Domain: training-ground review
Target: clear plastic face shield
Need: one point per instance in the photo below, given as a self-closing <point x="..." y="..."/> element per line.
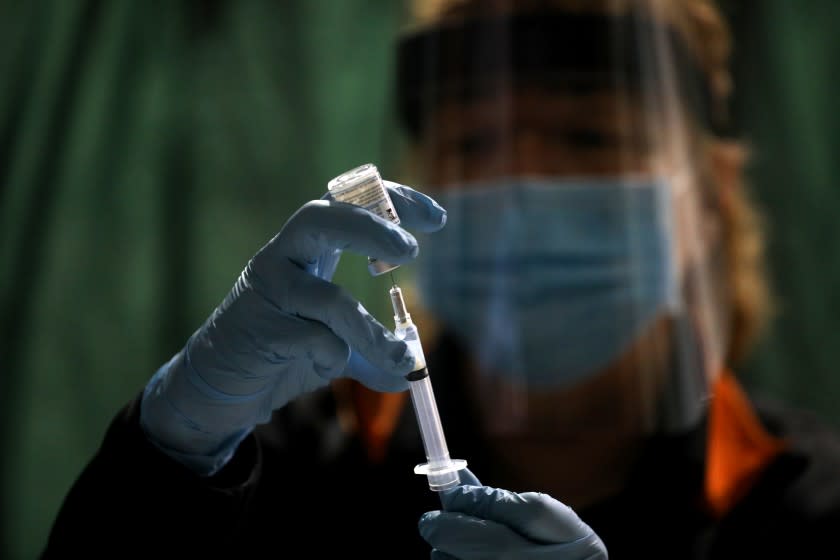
<point x="581" y="267"/>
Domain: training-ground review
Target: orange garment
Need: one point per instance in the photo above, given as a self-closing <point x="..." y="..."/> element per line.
<point x="738" y="447"/>
<point x="376" y="416"/>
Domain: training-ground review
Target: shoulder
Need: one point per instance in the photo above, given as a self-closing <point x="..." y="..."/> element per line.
<point x="806" y="432"/>
<point x="813" y="489"/>
<point x="793" y="509"/>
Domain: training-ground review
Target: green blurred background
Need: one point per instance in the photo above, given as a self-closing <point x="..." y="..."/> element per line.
<point x="147" y="150"/>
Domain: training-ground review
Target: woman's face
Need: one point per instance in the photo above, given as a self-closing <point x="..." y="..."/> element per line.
<point x="537" y="133"/>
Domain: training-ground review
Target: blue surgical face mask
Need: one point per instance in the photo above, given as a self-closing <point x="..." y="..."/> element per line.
<point x="550" y="281"/>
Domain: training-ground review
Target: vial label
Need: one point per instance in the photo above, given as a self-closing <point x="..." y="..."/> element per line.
<point x="371" y="195"/>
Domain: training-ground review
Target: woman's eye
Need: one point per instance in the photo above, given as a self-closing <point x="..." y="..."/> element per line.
<point x="586" y="138"/>
<point x="473" y="145"/>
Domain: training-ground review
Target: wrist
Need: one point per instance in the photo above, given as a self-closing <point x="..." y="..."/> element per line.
<point x="185" y="424"/>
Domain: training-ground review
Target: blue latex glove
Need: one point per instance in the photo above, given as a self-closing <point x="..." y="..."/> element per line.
<point x="284" y="330"/>
<point x="480" y="522"/>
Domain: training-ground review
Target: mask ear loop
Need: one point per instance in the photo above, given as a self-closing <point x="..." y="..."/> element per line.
<point x="694" y="350"/>
<point x="704" y="286"/>
<point x="685" y="395"/>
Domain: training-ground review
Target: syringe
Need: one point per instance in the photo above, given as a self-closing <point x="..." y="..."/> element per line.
<point x="441" y="471"/>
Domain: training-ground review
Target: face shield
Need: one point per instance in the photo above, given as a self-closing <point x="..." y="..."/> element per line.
<point x="580" y="272"/>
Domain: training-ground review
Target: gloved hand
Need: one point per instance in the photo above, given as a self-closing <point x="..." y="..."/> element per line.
<point x="283" y="330"/>
<point x="480" y="522"/>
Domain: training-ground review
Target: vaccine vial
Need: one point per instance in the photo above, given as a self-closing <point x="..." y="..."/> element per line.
<point x="363" y="187"/>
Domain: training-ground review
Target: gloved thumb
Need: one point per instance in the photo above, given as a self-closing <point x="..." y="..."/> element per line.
<point x="468" y="477"/>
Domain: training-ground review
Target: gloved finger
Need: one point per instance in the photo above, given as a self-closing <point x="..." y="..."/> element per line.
<point x="373" y="377"/>
<point x="261" y="338"/>
<point x="299" y="339"/>
<point x="467" y="478"/>
<point x="310" y="297"/>
<point x="532" y="514"/>
<point x="440" y="555"/>
<point x="416" y="210"/>
<point x="320" y="227"/>
<point x="465" y="536"/>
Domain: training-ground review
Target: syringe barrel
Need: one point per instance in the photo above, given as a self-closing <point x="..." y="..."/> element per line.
<point x="440" y="474"/>
<point x="440" y="470"/>
<point x="428" y="419"/>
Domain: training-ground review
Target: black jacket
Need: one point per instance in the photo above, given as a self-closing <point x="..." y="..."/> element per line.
<point x="300" y="484"/>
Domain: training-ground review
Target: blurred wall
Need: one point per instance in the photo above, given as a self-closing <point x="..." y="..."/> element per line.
<point x="147" y="150"/>
<point x="787" y="72"/>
